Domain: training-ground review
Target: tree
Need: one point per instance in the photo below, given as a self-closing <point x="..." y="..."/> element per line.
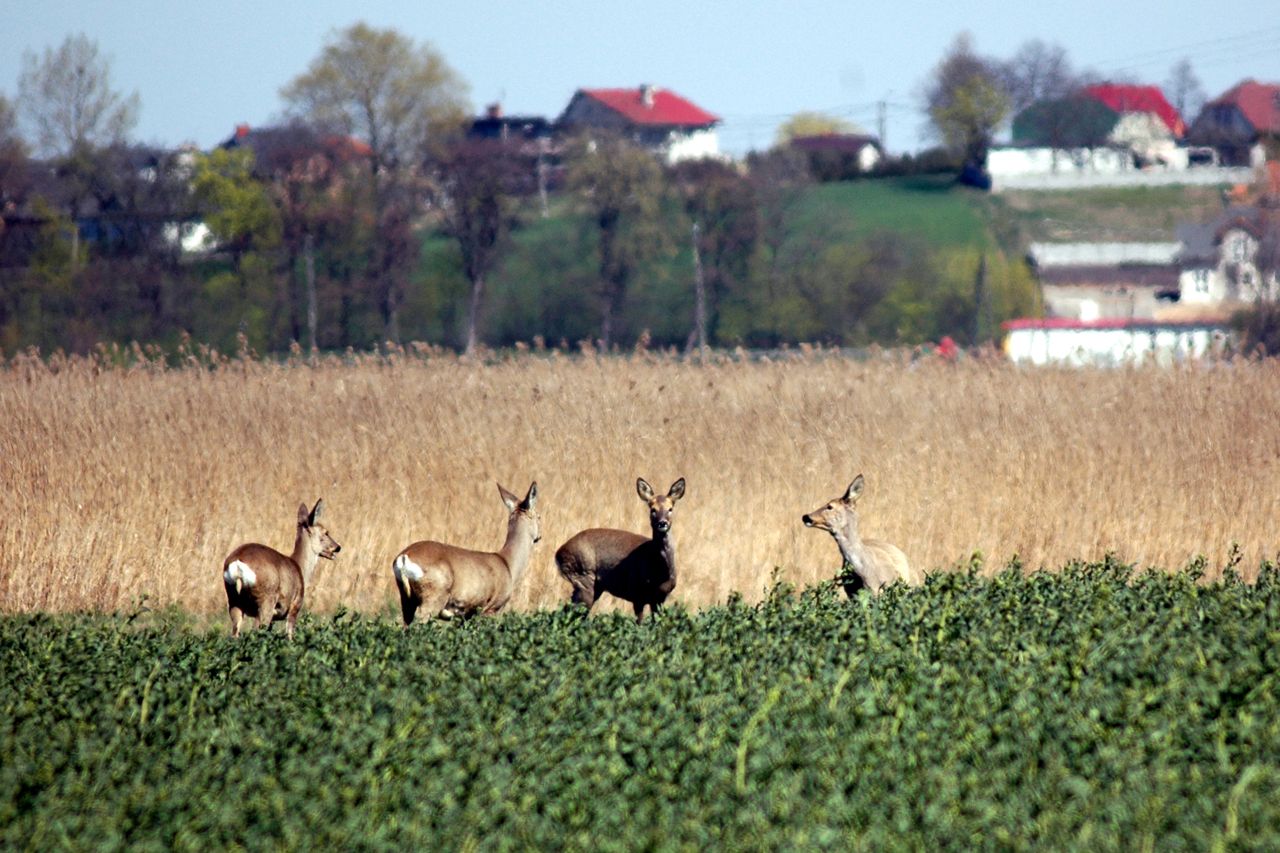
<point x="399" y="98"/>
<point x="66" y="97"/>
<point x="477" y="178"/>
<point x="1038" y="72"/>
<point x="812" y="124"/>
<point x="966" y="102"/>
<point x="721" y="202"/>
<point x="620" y="186"/>
<point x="1075" y="121"/>
<point x="1184" y="90"/>
<point x="240" y="216"/>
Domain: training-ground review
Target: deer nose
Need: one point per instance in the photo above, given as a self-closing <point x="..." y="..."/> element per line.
<point x="337" y="548"/>
<point x="808" y="522"/>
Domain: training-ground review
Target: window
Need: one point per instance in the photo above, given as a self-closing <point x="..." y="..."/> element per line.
<point x="1201" y="281"/>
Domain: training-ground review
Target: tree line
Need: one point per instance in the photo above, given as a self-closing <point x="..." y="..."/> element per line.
<point x="368" y="215"/>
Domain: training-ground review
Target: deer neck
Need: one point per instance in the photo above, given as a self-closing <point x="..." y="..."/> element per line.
<point x="518" y="549"/>
<point x="851" y="549"/>
<point x="666" y="546"/>
<point x="306" y="558"/>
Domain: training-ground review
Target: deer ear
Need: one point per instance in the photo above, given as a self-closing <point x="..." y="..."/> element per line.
<point x="509" y="499"/>
<point x="677" y="490"/>
<point x="855" y="489"/>
<point x="531" y="497"/>
<point x="316" y="511"/>
<point x="304" y="517"/>
<point x="644" y="490"/>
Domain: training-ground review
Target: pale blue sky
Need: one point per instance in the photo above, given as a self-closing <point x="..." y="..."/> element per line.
<point x="200" y="68"/>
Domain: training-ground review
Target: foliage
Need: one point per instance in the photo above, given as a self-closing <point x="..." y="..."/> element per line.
<point x="400" y="99"/>
<point x="1070" y="122"/>
<point x="1096" y="708"/>
<point x="620" y="189"/>
<point x="966" y="101"/>
<point x="808" y="123"/>
<point x="66" y="97"/>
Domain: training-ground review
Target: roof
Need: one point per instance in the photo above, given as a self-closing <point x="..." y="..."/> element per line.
<point x="1105" y="324"/>
<point x="847" y="143"/>
<point x="1258" y="102"/>
<point x="652" y="106"/>
<point x="1129" y="98"/>
<point x="1046" y="255"/>
<point x="1200" y="240"/>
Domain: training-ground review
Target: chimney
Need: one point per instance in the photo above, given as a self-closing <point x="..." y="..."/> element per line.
<point x="242" y="130"/>
<point x="494" y="110"/>
<point x="646" y="94"/>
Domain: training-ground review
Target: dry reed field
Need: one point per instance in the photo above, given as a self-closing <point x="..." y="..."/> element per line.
<point x="121" y="482"/>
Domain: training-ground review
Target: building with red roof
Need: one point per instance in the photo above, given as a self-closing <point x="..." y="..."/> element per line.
<point x="1125" y="98"/>
<point x="1241" y="122"/>
<point x="656" y="118"/>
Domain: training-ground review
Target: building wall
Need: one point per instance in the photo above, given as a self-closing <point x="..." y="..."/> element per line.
<point x="693" y="145"/>
<point x="1113" y="347"/>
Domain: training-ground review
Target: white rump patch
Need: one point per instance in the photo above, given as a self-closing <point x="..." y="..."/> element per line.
<point x="241" y="570"/>
<point x="406" y="570"/>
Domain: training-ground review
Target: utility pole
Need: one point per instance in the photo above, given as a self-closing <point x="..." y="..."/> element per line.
<point x="699" y="297"/>
<point x="882" y="123"/>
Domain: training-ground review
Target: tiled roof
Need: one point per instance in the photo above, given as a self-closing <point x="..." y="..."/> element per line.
<point x="650" y="105"/>
<point x="1258" y="102"/>
<point x="1125" y="98"/>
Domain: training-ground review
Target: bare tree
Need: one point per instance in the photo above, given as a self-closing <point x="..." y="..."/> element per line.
<point x="399" y="98"/>
<point x="1037" y="72"/>
<point x="65" y="95"/>
<point x="1184" y="90"/>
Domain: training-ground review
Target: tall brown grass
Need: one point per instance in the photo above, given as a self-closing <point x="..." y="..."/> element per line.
<point x="117" y="482"/>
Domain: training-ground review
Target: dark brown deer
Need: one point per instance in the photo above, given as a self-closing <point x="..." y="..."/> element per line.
<point x="624" y="564"/>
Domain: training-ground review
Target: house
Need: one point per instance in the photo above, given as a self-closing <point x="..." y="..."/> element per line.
<point x="494" y="124"/>
<point x="1106" y="281"/>
<point x="1231" y="259"/>
<point x="1111" y="343"/>
<point x="861" y="153"/>
<point x="1146" y="123"/>
<point x="1241" y="123"/>
<point x="1105" y="135"/>
<point x="658" y="119"/>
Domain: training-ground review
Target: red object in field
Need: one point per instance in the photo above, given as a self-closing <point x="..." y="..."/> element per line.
<point x="947" y="348"/>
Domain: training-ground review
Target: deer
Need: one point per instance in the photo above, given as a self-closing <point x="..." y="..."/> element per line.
<point x="447" y="581"/>
<point x="269" y="586"/>
<point x="624" y="564"/>
<point x="868" y="563"/>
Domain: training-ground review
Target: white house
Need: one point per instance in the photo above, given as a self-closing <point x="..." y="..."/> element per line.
<point x="656" y="118"/>
<point x="1091" y="281"/>
<point x="1218" y="260"/>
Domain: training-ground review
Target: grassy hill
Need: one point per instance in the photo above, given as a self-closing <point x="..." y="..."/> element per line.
<point x="1137" y="214"/>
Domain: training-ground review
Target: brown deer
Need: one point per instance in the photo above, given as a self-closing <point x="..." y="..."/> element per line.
<point x="444" y="580"/>
<point x="625" y="564"/>
<point x="868" y="563"/>
<point x="267" y="585"/>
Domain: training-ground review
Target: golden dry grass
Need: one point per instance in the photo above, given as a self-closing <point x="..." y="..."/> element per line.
<point x="119" y="482"/>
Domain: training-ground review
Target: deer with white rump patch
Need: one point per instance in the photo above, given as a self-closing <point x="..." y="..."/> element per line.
<point x="445" y="580"/>
<point x="625" y="564"/>
<point x="868" y="563"/>
<point x="267" y="585"/>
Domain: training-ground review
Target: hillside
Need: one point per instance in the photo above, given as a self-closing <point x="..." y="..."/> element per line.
<point x="1138" y="214"/>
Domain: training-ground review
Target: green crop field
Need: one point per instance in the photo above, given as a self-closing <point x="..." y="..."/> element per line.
<point x="1090" y="709"/>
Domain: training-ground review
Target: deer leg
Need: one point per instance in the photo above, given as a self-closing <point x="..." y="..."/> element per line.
<point x="292" y="617"/>
<point x="585" y="596"/>
<point x="433" y="602"/>
<point x="237" y="616"/>
<point x="266" y="614"/>
<point x="408" y="607"/>
<point x="638" y="607"/>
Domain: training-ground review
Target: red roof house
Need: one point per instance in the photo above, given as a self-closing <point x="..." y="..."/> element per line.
<point x="1127" y="98"/>
<point x="654" y="117"/>
<point x="1238" y="119"/>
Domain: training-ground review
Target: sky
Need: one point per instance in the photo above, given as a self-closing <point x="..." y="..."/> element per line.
<point x="202" y="68"/>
